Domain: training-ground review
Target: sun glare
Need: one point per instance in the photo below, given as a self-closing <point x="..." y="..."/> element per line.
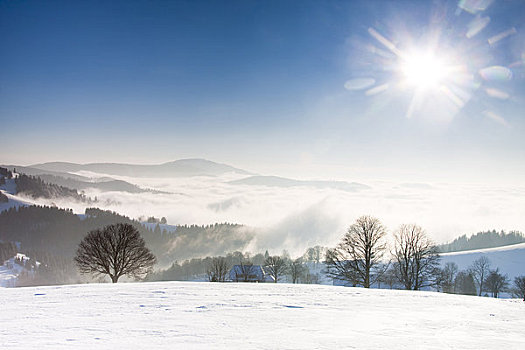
<point x="423" y="70"/>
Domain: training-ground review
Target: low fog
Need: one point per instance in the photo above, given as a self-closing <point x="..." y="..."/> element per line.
<point x="295" y="218"/>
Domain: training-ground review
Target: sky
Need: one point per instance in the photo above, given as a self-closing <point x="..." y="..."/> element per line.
<point x="404" y="90"/>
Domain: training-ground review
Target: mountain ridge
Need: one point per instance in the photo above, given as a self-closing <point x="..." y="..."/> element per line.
<point x="177" y="168"/>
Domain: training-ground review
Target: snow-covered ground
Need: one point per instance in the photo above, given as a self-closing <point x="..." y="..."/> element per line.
<point x="509" y="259"/>
<point x="185" y="315"/>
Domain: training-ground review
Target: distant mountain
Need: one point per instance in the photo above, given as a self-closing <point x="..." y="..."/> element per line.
<point x="37" y="172"/>
<point x="78" y="182"/>
<point x="178" y="168"/>
<point x="275" y="181"/>
<point x="104" y="186"/>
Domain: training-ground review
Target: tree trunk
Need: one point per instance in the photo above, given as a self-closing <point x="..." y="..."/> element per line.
<point x="114" y="279"/>
<point x="481" y="284"/>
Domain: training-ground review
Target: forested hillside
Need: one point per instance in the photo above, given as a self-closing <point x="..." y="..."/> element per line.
<point x="35" y="187"/>
<point x="50" y="230"/>
<point x="481" y="240"/>
<point x="7" y="251"/>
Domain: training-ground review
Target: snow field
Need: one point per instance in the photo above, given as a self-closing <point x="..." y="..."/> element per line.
<point x="186" y="315"/>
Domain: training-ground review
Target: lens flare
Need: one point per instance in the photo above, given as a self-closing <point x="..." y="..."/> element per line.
<point x="496" y="73"/>
<point x="437" y="69"/>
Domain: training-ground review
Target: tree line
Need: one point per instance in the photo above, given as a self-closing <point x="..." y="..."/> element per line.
<point x="118" y="250"/>
<point x="414" y="264"/>
<point x="360" y="259"/>
<point x="481" y="240"/>
<point x="304" y="269"/>
<point x="480" y="277"/>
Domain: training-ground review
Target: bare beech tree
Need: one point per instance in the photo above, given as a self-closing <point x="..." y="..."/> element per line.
<point x="388" y="277"/>
<point x="217" y="269"/>
<point x="296" y="269"/>
<point x="416" y="257"/>
<point x="116" y="250"/>
<point x="519" y="287"/>
<point x="448" y="277"/>
<point x="496" y="282"/>
<point x="276" y="266"/>
<point x="480" y="269"/>
<point x="314" y="254"/>
<point x="464" y="283"/>
<point x="357" y="259"/>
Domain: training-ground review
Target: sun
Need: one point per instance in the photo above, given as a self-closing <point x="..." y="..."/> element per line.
<point x="423" y="70"/>
<point x="436" y="71"/>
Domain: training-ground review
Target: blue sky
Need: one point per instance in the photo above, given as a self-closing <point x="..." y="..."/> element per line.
<point x="259" y="85"/>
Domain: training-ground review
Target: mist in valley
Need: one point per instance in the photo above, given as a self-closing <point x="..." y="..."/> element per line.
<point x="297" y="217"/>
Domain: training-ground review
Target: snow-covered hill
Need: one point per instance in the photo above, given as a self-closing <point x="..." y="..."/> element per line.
<point x="177" y="315"/>
<point x="11" y="270"/>
<point x="509" y="259"/>
<point x="8" y="189"/>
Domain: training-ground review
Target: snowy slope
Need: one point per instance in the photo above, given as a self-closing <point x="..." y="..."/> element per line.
<point x="178" y="315"/>
<point x="510" y="259"/>
<point x="14" y="201"/>
<point x="9" y="186"/>
<point x="9" y="190"/>
<point x="10" y="271"/>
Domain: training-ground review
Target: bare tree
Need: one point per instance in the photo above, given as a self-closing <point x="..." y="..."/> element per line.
<point x="314" y="254"/>
<point x="448" y="277"/>
<point x="496" y="283"/>
<point x="116" y="250"/>
<point x="357" y="259"/>
<point x="519" y="287"/>
<point x="464" y="283"/>
<point x="276" y="266"/>
<point x="416" y="257"/>
<point x="480" y="270"/>
<point x="217" y="269"/>
<point x="389" y="277"/>
<point x="296" y="269"/>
